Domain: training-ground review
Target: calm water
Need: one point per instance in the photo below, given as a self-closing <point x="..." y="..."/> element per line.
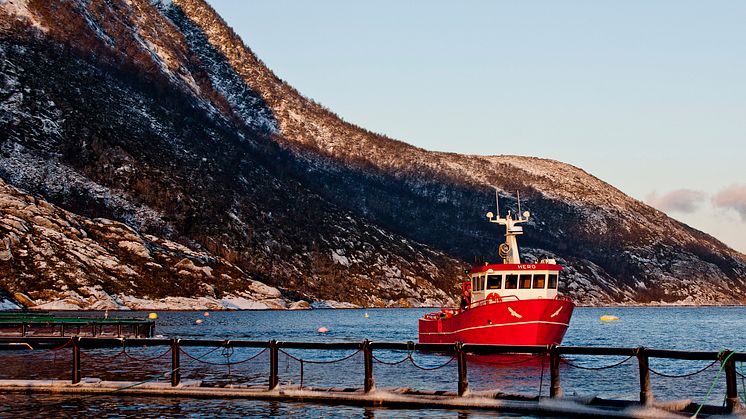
<point x="664" y="328"/>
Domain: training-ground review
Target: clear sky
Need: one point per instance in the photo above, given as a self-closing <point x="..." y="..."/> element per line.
<point x="649" y="96"/>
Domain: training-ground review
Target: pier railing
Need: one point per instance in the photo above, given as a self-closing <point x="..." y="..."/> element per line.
<point x="726" y="359"/>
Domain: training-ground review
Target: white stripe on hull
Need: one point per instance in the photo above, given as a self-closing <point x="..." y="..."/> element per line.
<point x="494" y="325"/>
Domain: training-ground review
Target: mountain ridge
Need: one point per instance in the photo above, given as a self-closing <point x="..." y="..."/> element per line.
<point x="219" y="154"/>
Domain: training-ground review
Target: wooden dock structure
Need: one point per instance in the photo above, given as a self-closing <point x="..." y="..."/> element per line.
<point x="170" y="382"/>
<point x="25" y="324"/>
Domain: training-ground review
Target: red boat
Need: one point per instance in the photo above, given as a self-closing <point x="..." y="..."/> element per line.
<point x="510" y="303"/>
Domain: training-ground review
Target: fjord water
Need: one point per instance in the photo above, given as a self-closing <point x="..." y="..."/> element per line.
<point x="708" y="328"/>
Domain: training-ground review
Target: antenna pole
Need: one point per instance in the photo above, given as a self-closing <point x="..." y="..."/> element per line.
<point x="497" y="204"/>
<point x="519" y="204"/>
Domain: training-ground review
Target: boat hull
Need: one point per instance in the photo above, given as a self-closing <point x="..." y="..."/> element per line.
<point x="521" y="322"/>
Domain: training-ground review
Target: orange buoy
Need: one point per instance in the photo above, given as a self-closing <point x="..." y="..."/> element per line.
<point x="198" y="321"/>
<point x="322" y="329"/>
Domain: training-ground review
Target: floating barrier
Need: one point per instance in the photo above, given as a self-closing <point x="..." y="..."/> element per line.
<point x="453" y="354"/>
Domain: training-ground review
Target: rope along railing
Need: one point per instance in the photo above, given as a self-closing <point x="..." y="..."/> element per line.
<point x="603" y="367"/>
<point x="691" y="374"/>
<point x="225" y="354"/>
<point x="456" y="352"/>
<point x="302" y="361"/>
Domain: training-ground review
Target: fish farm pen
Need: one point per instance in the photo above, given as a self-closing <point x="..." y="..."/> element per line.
<point x="181" y="368"/>
<point x="43" y="324"/>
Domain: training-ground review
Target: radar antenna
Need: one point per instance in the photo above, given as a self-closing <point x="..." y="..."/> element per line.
<point x="497" y="203"/>
<point x="509" y="249"/>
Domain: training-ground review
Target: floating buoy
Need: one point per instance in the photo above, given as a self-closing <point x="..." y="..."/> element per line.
<point x="152" y="316"/>
<point x="322" y="329"/>
<point x="206" y="314"/>
<point x="365" y="315"/>
<point x="198" y="321"/>
<point x="608" y="318"/>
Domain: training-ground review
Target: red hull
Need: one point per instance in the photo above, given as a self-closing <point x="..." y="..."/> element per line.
<point x="523" y="322"/>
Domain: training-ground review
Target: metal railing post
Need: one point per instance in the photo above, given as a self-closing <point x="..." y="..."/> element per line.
<point x="273" y="365"/>
<point x="646" y="393"/>
<point x="731" y="385"/>
<point x="175" y="362"/>
<point x="76" y="360"/>
<point x="463" y="381"/>
<point x="370" y="383"/>
<point x="555" y="390"/>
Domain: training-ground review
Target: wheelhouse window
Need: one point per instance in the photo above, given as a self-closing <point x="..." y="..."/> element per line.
<point x="494" y="282"/>
<point x="478" y="283"/>
<point x="540" y="281"/>
<point x="511" y="282"/>
<point x="525" y="281"/>
<point x="552" y="281"/>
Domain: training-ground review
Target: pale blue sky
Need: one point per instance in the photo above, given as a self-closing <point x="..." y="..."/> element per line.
<point x="649" y="96"/>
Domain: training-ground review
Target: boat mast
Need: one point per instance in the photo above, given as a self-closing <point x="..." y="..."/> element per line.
<point x="509" y="249"/>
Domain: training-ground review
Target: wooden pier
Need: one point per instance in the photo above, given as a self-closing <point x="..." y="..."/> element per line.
<point x="170" y="382"/>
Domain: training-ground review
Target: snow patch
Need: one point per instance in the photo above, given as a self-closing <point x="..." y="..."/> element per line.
<point x="339" y="258"/>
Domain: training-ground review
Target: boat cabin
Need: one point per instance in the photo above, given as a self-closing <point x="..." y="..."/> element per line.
<point x="514" y="281"/>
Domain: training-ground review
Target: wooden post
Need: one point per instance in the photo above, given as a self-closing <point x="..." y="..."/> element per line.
<point x="175" y="362"/>
<point x="646" y="393"/>
<point x="370" y="383"/>
<point x="76" y="361"/>
<point x="273" y="365"/>
<point x="463" y="381"/>
<point x="555" y="390"/>
<point x="732" y="404"/>
<point x="23" y="329"/>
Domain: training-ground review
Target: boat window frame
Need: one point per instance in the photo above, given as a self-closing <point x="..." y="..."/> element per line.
<point x="478" y="283"/>
<point x="499" y="283"/>
<point x="507" y="279"/>
<point x="534" y="280"/>
<point x="523" y="278"/>
<point x="555" y="277"/>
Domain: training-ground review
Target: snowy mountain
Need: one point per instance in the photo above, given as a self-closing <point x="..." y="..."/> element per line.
<point x="156" y="115"/>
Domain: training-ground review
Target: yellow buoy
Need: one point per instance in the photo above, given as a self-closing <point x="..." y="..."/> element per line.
<point x="609" y="318"/>
<point x="365" y="315"/>
<point x="152" y="316"/>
